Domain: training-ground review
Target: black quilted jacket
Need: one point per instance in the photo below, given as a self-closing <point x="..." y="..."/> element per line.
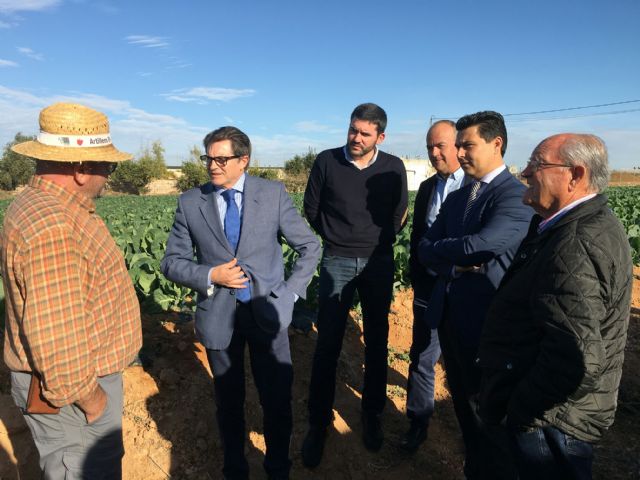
<point x="553" y="342"/>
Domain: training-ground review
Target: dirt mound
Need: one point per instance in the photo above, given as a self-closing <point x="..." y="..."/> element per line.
<point x="170" y="430"/>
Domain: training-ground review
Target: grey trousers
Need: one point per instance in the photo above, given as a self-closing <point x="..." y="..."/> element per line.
<point x="69" y="448"/>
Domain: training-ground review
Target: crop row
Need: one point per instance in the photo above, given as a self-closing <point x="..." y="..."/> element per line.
<point x="141" y="225"/>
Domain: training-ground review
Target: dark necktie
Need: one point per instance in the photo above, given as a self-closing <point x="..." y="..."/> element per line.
<point x="232" y="231"/>
<point x="473" y="195"/>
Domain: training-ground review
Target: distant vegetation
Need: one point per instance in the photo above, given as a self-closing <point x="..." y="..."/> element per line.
<point x="15" y="169"/>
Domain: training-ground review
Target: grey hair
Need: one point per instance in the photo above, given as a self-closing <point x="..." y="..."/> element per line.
<point x="590" y="152"/>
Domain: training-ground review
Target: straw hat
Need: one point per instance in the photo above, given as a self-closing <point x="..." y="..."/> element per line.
<point x="72" y="133"/>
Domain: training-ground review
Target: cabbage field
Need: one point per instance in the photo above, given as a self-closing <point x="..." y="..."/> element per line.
<point x="141" y="225"/>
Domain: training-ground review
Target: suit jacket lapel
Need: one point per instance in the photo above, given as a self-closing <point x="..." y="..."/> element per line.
<point x="209" y="210"/>
<point x="249" y="210"/>
<point x="484" y="196"/>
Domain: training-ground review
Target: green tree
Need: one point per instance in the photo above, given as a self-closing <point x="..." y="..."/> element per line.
<point x="15" y="169"/>
<point x="152" y="160"/>
<point x="193" y="175"/>
<point x="300" y="164"/>
<point x="130" y="177"/>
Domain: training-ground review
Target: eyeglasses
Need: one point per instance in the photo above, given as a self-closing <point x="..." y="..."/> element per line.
<point x="535" y="165"/>
<point x="220" y="161"/>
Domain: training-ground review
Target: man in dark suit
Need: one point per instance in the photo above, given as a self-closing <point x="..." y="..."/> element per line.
<point x="425" y="347"/>
<point x="233" y="225"/>
<point x="470" y="246"/>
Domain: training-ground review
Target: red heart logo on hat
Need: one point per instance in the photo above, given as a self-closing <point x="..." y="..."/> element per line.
<point x="79" y="141"/>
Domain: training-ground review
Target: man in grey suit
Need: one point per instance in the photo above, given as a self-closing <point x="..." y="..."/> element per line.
<point x="233" y="227"/>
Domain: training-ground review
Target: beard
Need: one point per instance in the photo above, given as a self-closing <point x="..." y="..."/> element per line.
<point x="354" y="151"/>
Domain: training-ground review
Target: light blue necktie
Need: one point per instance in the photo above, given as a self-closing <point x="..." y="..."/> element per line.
<point x="232" y="231"/>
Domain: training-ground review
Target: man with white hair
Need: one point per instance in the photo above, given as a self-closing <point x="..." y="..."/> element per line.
<point x="72" y="316"/>
<point x="553" y="342"/>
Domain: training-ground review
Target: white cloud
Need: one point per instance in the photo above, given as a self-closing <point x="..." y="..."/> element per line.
<point x="7" y="63"/>
<point x="9" y="6"/>
<point x="202" y="94"/>
<point x="147" y="41"/>
<point x="31" y="54"/>
<point x="310" y="126"/>
<point x="277" y="149"/>
<point x="6" y="25"/>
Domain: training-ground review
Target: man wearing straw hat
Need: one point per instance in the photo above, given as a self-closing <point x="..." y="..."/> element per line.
<point x="72" y="317"/>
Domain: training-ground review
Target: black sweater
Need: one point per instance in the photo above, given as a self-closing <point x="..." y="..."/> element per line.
<point x="356" y="212"/>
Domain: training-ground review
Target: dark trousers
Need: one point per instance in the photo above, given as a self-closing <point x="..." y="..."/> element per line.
<point x="424" y="354"/>
<point x="273" y="375"/>
<point x="551" y="454"/>
<point x="340" y="277"/>
<point x="463" y="378"/>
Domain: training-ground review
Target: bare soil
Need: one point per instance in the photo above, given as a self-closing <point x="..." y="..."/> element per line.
<point x="170" y="430"/>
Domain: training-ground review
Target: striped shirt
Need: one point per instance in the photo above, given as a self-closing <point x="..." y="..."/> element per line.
<point x="71" y="310"/>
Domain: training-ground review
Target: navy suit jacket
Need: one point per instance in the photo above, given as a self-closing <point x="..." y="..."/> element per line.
<point x="267" y="213"/>
<point x="488" y="236"/>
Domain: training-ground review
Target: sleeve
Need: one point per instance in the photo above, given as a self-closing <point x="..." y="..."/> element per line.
<point x="313" y="195"/>
<point x="401" y="200"/>
<point x="178" y="264"/>
<point x="299" y="237"/>
<point x="439" y="264"/>
<point x="56" y="329"/>
<point x="507" y="222"/>
<point x="568" y="303"/>
<point x="417" y="230"/>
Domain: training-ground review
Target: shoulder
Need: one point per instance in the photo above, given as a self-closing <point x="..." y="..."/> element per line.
<point x="35" y="215"/>
<point x="260" y="183"/>
<point x="596" y="223"/>
<point x="508" y="189"/>
<point x="428" y="183"/>
<point x="391" y="160"/>
<point x="195" y="194"/>
<point x="330" y="155"/>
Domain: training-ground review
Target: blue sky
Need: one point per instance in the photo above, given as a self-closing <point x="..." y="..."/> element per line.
<point x="289" y="73"/>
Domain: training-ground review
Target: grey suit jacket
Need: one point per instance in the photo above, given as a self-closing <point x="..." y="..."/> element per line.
<point x="267" y="213"/>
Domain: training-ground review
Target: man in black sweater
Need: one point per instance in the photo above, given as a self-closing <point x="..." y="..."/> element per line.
<point x="356" y="199"/>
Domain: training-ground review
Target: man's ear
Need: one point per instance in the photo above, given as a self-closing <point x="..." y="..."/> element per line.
<point x="578" y="176"/>
<point x="498" y="142"/>
<point x="81" y="173"/>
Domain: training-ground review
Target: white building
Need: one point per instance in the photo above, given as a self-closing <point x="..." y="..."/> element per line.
<point x="418" y="170"/>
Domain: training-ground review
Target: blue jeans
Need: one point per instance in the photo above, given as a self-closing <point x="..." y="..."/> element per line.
<point x="424" y="354"/>
<point x="551" y="454"/>
<point x="340" y="277"/>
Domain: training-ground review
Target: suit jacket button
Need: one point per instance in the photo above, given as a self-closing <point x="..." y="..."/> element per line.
<point x="523" y="255"/>
<point x="509" y="366"/>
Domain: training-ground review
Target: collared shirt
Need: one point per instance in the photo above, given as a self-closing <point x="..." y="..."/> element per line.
<point x="443" y="187"/>
<point x="489" y="177"/>
<point x="238" y="196"/>
<point x="72" y="311"/>
<point x="562" y="212"/>
<point x="353" y="162"/>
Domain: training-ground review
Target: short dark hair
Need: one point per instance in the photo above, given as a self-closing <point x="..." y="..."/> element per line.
<point x="370" y="112"/>
<point x="240" y="142"/>
<point x="490" y="125"/>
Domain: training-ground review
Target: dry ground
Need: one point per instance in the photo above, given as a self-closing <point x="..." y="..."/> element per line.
<point x="170" y="432"/>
